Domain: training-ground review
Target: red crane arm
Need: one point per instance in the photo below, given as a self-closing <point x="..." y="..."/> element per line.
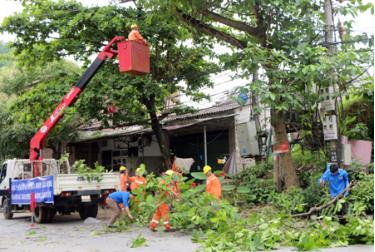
<point x="37" y="142"/>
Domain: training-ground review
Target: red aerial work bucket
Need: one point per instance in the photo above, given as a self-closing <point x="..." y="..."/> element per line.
<point x="134" y="57"/>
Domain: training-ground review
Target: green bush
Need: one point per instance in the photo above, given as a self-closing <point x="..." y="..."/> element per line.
<point x="307" y="157"/>
<point x="363" y="193"/>
<point x="219" y="226"/>
<point x="289" y="201"/>
<point x="356" y="171"/>
<point x="313" y="194"/>
<point x="254" y="185"/>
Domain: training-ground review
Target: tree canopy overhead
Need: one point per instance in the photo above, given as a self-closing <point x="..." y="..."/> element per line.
<point x="286" y="41"/>
<point x="50" y="30"/>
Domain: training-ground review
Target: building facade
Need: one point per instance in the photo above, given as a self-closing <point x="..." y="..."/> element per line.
<point x="209" y="136"/>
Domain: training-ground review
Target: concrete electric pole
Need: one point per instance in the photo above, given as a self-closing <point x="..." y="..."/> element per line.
<point x="328" y="106"/>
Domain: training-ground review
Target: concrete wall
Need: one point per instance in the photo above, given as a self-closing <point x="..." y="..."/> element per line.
<point x="246" y="142"/>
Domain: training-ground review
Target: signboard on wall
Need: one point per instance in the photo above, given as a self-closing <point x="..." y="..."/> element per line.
<point x="329" y="127"/>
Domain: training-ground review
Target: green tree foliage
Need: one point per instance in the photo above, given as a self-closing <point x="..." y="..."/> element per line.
<point x="358" y="113"/>
<point x="219" y="226"/>
<point x="5" y="55"/>
<point x="7" y="63"/>
<point x="50" y="30"/>
<point x="39" y="89"/>
<point x="285" y="40"/>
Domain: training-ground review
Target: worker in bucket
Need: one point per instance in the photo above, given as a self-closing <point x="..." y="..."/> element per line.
<point x="135" y="34"/>
<point x="213" y="185"/>
<point x="166" y="194"/>
<point x="113" y="202"/>
<point x="138" y="180"/>
<point x="124" y="178"/>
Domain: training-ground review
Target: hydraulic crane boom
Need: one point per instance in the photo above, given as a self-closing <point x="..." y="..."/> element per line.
<point x="37" y="142"/>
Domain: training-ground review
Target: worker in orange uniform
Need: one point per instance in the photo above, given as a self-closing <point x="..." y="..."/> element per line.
<point x="135" y="34"/>
<point x="124" y="178"/>
<point x="162" y="210"/>
<point x="177" y="174"/>
<point x="213" y="185"/>
<point x="138" y="180"/>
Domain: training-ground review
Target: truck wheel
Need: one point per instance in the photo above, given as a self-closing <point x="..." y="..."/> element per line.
<point x="92" y="211"/>
<point x="88" y="211"/>
<point x="51" y="214"/>
<point x="7" y="209"/>
<point x="41" y="214"/>
<point x="82" y="212"/>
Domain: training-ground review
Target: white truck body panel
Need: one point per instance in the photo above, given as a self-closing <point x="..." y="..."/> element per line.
<point x="76" y="182"/>
<point x="21" y="169"/>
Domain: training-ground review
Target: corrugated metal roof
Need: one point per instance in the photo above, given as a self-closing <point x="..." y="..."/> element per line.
<point x="88" y="135"/>
<point x="203" y="112"/>
<point x="195" y="121"/>
<point x="93" y="131"/>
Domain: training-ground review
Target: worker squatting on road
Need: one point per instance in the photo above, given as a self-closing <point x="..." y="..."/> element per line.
<point x="166" y="194"/>
<point x="113" y="202"/>
<point x="213" y="185"/>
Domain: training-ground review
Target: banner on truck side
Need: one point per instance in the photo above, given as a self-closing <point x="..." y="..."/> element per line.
<point x="22" y="189"/>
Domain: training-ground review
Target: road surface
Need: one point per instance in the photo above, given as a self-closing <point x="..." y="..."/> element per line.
<point x="70" y="233"/>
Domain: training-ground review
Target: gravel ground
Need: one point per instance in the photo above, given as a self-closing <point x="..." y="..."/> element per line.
<point x="70" y="233"/>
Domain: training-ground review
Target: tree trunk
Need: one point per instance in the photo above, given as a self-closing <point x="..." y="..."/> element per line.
<point x="161" y="136"/>
<point x="285" y="175"/>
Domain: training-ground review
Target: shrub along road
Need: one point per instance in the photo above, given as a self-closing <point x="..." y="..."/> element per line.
<point x="69" y="233"/>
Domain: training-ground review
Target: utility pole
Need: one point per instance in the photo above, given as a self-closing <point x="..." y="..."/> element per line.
<point x="329" y="105"/>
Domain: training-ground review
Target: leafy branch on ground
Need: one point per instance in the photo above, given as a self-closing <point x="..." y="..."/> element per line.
<point x="139" y="241"/>
<point x="90" y="174"/>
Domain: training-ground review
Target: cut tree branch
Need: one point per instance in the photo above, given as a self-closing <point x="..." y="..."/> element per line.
<point x="232" y="23"/>
<point x="331" y="202"/>
<point x="206" y="29"/>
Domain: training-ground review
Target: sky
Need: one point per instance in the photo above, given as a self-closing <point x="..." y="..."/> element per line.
<point x="223" y="81"/>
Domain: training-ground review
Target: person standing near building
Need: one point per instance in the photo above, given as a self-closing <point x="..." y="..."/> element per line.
<point x="213" y="185"/>
<point x="138" y="180"/>
<point x="124" y="178"/>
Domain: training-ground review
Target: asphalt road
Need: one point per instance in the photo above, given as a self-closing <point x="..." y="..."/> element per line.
<point x="70" y="233"/>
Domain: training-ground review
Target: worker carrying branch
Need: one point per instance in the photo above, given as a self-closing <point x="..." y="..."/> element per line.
<point x="135" y="34"/>
<point x="213" y="185"/>
<point x="338" y="181"/>
<point x="168" y="191"/>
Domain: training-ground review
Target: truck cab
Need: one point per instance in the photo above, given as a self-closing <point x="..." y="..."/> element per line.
<point x="71" y="192"/>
